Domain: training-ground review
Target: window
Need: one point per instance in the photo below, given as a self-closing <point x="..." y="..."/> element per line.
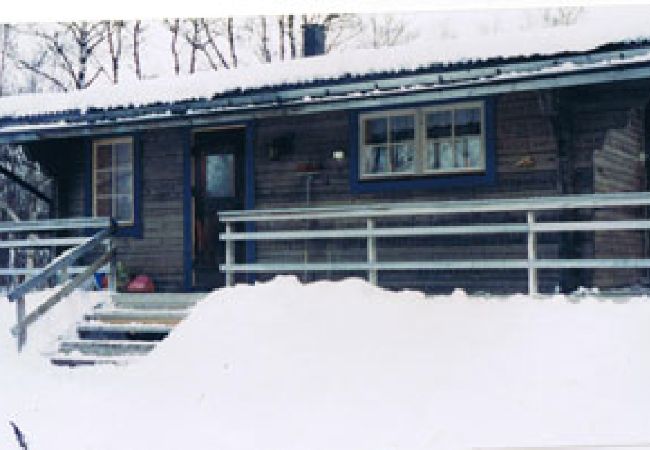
<point x="423" y="141"/>
<point x="113" y="184"/>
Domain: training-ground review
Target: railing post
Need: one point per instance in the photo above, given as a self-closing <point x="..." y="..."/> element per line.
<point x="371" y="250"/>
<point x="532" y="254"/>
<point x="112" y="266"/>
<point x="229" y="255"/>
<point x="21" y="335"/>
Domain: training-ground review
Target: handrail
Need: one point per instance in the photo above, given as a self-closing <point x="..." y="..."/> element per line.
<point x="55" y="224"/>
<point x="61" y="264"/>
<point x="527" y="225"/>
<point x="392" y="209"/>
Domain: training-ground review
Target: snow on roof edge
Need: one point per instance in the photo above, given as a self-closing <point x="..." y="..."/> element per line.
<point x="327" y="69"/>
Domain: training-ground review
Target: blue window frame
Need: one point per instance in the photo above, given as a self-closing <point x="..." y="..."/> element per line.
<point x="427" y="146"/>
<point x="113" y="188"/>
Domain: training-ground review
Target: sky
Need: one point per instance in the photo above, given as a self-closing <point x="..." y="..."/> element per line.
<point x="46" y="10"/>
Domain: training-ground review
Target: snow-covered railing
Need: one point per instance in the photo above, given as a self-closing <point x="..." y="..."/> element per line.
<point x="528" y="207"/>
<point x="61" y="266"/>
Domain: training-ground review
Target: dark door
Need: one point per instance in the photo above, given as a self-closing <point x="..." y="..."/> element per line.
<point x="218" y="186"/>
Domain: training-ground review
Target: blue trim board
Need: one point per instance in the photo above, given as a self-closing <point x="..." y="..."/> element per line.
<point x="249" y="200"/>
<point x="437" y="182"/>
<point x="187" y="209"/>
<point x="135" y="230"/>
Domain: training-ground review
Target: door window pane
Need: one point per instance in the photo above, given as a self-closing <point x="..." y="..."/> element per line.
<point x="219" y="175"/>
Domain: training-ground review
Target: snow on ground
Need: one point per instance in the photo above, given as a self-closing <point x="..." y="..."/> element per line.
<point x="591" y="31"/>
<point x="350" y="366"/>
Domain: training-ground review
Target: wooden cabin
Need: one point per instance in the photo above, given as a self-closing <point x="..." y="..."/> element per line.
<point x="310" y="135"/>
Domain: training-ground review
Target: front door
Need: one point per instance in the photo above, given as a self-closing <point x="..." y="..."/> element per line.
<point x="218" y="186"/>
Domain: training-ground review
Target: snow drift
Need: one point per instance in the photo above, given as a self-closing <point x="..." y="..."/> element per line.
<point x="347" y="365"/>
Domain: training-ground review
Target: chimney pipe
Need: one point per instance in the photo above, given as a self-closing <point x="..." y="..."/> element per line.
<point x="313" y="38"/>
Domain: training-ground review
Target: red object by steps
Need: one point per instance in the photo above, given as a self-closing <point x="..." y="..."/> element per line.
<point x="140" y="284"/>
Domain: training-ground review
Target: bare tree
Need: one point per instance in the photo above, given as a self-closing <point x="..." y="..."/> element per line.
<point x="174" y="26"/>
<point x="214" y="29"/>
<point x="115" y="40"/>
<point x="6" y="47"/>
<point x="231" y="41"/>
<point x="137" y="40"/>
<point x="264" y="40"/>
<point x="387" y="30"/>
<point x="70" y="47"/>
<point x="340" y="29"/>
<point x="281" y="36"/>
<point x="291" y="35"/>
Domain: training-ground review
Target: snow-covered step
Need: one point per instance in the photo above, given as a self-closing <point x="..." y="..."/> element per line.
<point x="130" y="331"/>
<point x="123" y="329"/>
<point x="105" y="348"/>
<point x="156" y="301"/>
<point x="84" y="360"/>
<point x="149" y="316"/>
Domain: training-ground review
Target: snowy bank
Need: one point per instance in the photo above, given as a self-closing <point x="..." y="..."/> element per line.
<point x="350" y="366"/>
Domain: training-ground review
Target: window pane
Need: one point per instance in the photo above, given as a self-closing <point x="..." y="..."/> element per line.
<point x="467" y="121"/>
<point x="402" y="128"/>
<point x="446" y="155"/>
<point x="376" y="131"/>
<point x="474" y="152"/>
<point x="124" y="208"/>
<point x="103" y="207"/>
<point x="376" y="159"/>
<point x="219" y="174"/>
<point x="439" y="124"/>
<point x="123" y="155"/>
<point x="432" y="161"/>
<point x="103" y="183"/>
<point x="461" y="152"/>
<point x="403" y="157"/>
<point x="103" y="156"/>
<point x="124" y="183"/>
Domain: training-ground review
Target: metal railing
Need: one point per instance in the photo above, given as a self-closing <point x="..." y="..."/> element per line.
<point x="61" y="266"/>
<point x="529" y="226"/>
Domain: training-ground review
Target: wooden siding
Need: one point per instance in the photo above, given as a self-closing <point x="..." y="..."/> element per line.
<point x="618" y="167"/>
<point x="523" y="132"/>
<point x="159" y="252"/>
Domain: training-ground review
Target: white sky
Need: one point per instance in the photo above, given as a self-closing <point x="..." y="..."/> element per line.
<point x="47" y="10"/>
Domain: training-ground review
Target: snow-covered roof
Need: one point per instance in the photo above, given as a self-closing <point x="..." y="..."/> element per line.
<point x="542" y="45"/>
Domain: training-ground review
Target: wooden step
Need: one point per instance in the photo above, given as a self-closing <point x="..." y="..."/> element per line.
<point x="128" y="332"/>
<point x="143" y="316"/>
<point x="82" y="360"/>
<point x="105" y="348"/>
<point x="156" y="301"/>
